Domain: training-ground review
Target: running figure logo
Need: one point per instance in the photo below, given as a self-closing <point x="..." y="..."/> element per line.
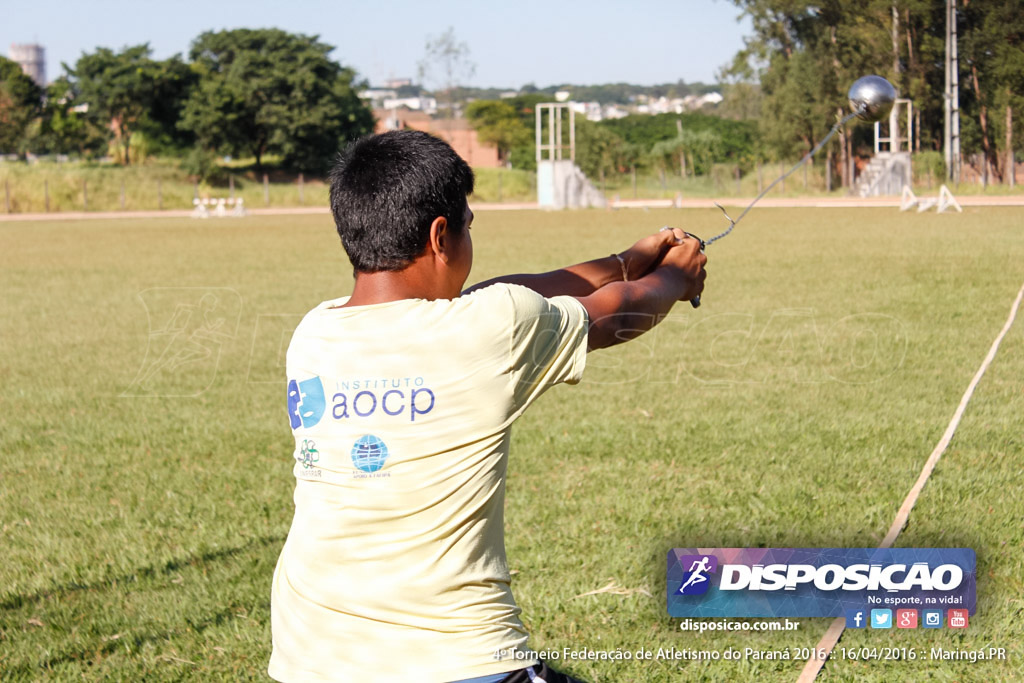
<point x="698" y="567"/>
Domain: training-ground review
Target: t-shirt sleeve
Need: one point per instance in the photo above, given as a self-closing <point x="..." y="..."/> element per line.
<point x="548" y="344"/>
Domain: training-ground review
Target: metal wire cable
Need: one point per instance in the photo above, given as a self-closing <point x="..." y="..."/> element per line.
<point x="732" y="223"/>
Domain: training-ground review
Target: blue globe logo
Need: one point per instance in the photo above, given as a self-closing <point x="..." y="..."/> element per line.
<point x="369" y="453"/>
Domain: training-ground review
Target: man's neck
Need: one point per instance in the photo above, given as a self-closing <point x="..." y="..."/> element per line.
<point x="386" y="286"/>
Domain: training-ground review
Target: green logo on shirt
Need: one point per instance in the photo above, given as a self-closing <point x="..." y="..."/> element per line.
<point x="308" y="454"/>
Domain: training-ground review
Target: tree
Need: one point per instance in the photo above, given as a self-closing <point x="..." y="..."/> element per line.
<point x="497" y="122"/>
<point x="734" y="139"/>
<point x="703" y="147"/>
<point x="445" y="62"/>
<point x="64" y="128"/>
<point x="174" y="84"/>
<point x="598" y="150"/>
<point x="20" y="100"/>
<point x="269" y="91"/>
<point x="993" y="58"/>
<point x="120" y="88"/>
<point x="806" y="55"/>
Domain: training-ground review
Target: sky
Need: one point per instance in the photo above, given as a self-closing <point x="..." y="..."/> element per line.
<point x="511" y="42"/>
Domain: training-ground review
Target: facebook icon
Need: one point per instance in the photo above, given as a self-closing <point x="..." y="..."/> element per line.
<point x="856" y="618"/>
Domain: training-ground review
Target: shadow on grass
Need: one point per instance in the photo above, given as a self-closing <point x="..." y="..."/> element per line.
<point x="84" y="654"/>
<point x="142" y="574"/>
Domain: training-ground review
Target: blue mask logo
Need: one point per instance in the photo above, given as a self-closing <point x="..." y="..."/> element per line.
<point x="369" y="453"/>
<point x="306" y="402"/>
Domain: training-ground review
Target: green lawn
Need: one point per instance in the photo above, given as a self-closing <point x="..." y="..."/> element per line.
<point x="142" y="511"/>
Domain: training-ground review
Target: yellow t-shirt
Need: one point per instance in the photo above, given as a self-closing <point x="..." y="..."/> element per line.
<point x="394" y="568"/>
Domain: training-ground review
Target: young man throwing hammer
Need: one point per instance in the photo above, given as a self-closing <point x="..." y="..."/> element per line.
<point x="401" y="398"/>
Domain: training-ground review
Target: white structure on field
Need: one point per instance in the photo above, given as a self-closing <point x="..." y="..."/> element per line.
<point x="560" y="182"/>
<point x="201" y="207"/>
<point x="889" y="170"/>
<point x="944" y="202"/>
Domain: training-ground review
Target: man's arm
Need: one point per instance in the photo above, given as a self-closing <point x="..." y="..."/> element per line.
<point x="622" y="311"/>
<point x="585" y="278"/>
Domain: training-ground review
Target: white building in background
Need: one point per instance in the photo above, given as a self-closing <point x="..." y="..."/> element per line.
<point x="691" y="102"/>
<point x="424" y="104"/>
<point x="32" y="59"/>
<point x="384" y="98"/>
<point x="376" y="96"/>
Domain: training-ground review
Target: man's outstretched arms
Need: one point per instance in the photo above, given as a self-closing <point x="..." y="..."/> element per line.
<point x="622" y="311"/>
<point x="585" y="278"/>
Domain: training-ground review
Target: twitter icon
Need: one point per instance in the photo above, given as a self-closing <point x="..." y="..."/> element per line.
<point x="881" y="618"/>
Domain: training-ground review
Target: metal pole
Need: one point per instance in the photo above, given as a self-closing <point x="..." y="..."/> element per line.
<point x="302" y="194"/>
<point x="955" y="113"/>
<point x="572" y="133"/>
<point x="538" y="120"/>
<point x="551" y="133"/>
<point x="561" y="136"/>
<point x="1010" y="168"/>
<point x="947" y="100"/>
<point x="910" y="126"/>
<point x="266" y="190"/>
<point x="828" y="172"/>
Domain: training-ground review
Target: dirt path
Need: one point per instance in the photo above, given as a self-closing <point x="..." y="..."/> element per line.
<point x="777" y="202"/>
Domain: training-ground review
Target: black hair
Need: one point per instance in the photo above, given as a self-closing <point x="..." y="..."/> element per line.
<point x="387" y="189"/>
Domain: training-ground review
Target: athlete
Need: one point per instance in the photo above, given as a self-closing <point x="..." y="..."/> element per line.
<point x="394" y="568"/>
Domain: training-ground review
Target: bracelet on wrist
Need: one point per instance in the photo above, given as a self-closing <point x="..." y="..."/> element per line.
<point x="622" y="263"/>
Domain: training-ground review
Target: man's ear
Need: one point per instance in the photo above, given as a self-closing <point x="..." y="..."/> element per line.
<point x="440" y="238"/>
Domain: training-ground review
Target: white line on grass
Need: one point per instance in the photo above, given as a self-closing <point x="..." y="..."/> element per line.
<point x="835" y="631"/>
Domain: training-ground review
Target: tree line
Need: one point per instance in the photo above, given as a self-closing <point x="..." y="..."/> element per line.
<point x="786" y="89"/>
<point x="688" y="143"/>
<point x="253" y="93"/>
<point x="242" y="92"/>
<point x="803" y="56"/>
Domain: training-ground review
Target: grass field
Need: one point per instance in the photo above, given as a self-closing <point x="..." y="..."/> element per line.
<point x="142" y="511"/>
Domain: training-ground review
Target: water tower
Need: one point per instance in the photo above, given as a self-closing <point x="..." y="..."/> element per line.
<point x="32" y="59"/>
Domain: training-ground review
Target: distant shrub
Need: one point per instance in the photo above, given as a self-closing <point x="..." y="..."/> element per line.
<point x="201" y="164"/>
